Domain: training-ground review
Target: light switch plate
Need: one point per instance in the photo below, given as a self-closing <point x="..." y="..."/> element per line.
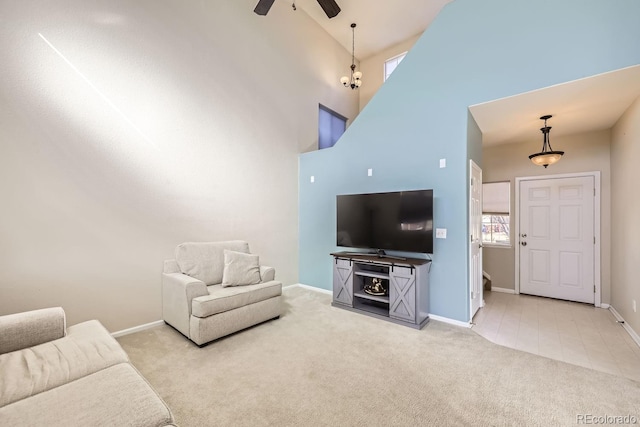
<point x="313" y="179"/>
<point x="441" y="233"/>
<point x="369" y="172"/>
<point x="443" y="163"/>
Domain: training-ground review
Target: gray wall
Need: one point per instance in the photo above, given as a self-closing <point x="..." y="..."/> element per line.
<point x="625" y="209"/>
<point x="585" y="152"/>
<point x="145" y="124"/>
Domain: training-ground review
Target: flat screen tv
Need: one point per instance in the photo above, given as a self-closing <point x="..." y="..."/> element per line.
<point x="396" y="221"/>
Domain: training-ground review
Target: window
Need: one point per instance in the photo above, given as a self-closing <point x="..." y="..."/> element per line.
<point x="331" y="126"/>
<point x="391" y="64"/>
<point x="495" y="213"/>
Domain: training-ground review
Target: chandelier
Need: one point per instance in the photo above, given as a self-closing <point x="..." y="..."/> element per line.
<point x="547" y="156"/>
<point x="354" y="81"/>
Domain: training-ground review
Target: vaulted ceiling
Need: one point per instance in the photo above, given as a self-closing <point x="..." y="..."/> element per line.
<point x="585" y="105"/>
<point x="380" y="24"/>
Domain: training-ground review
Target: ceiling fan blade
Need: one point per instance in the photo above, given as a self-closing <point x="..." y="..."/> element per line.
<point x="263" y="6"/>
<point x="330" y="7"/>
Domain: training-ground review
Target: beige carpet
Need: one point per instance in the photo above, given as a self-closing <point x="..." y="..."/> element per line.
<point x="319" y="365"/>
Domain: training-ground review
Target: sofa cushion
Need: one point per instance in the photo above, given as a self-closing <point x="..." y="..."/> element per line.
<point x="222" y="299"/>
<point x="240" y="269"/>
<point x="87" y="348"/>
<point x="116" y="396"/>
<point x="205" y="260"/>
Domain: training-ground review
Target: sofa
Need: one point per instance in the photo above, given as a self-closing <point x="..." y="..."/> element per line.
<point x="213" y="289"/>
<point x="51" y="375"/>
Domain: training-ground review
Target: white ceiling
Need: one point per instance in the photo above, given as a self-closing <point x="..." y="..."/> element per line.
<point x="380" y="24"/>
<point x="585" y="105"/>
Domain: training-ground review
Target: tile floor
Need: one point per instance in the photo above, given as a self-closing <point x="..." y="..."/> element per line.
<point x="572" y="332"/>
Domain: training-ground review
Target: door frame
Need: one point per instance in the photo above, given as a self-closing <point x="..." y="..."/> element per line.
<point x="472" y="166"/>
<point x="597" y="267"/>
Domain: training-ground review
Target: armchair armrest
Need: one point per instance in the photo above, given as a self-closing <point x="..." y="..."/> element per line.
<point x="178" y="290"/>
<point x="267" y="274"/>
<point x="23" y="330"/>
<point x="170" y="266"/>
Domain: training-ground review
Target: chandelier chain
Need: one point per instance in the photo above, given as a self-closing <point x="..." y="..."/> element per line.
<point x="353" y="45"/>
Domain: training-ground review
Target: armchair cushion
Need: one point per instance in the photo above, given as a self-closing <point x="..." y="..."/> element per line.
<point x="222" y="299"/>
<point x="240" y="269"/>
<point x="205" y="260"/>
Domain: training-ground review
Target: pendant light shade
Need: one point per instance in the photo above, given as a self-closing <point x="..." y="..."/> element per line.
<point x="547" y="156"/>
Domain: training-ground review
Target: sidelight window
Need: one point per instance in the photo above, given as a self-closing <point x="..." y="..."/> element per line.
<point x="496" y="213"/>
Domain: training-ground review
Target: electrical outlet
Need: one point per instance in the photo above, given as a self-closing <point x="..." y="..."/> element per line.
<point x="313" y="179"/>
<point x="633" y="303"/>
<point x="369" y="172"/>
<point x="443" y="163"/>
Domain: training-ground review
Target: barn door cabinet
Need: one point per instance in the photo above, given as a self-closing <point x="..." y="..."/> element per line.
<point x="405" y="282"/>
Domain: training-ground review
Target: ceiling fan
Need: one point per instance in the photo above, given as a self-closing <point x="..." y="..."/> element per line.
<point x="330" y="7"/>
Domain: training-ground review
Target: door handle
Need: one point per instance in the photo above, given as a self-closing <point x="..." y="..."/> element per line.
<point x="524" y="235"/>
<point x="523" y="243"/>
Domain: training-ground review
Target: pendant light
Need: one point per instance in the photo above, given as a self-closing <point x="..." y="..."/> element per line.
<point x="354" y="81"/>
<point x="547" y="156"/>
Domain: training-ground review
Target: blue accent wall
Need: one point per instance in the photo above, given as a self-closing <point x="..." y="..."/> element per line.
<point x="473" y="52"/>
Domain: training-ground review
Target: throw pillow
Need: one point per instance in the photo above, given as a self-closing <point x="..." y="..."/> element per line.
<point x="240" y="269"/>
<point x="205" y="260"/>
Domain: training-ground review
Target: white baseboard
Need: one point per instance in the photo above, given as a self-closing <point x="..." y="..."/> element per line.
<point x="137" y="329"/>
<point x="160" y="322"/>
<point x="503" y="290"/>
<point x="626" y="326"/>
<point x="431" y="316"/>
<point x="311" y="288"/>
<point x="449" y="321"/>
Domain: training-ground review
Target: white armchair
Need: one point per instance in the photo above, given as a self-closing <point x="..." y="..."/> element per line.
<point x="197" y="303"/>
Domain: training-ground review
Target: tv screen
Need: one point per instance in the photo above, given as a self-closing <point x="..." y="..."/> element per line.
<point x="398" y="221"/>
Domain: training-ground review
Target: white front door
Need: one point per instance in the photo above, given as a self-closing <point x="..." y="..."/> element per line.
<point x="557" y="255"/>
<point x="475" y="247"/>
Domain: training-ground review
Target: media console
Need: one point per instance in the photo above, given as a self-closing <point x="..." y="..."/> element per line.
<point x="406" y="281"/>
